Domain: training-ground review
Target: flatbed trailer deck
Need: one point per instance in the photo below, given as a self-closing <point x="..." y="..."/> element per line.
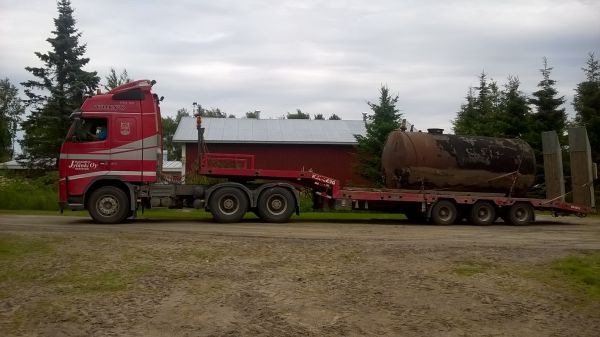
<point x="440" y="206"/>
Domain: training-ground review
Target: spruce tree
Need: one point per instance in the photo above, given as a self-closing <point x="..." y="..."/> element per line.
<point x="384" y="119"/>
<point x="11" y="110"/>
<point x="587" y="104"/>
<point x="113" y="80"/>
<point x="57" y="90"/>
<point x="466" y="117"/>
<point x="548" y="115"/>
<point x="298" y="115"/>
<point x="479" y="115"/>
<point x="514" y="114"/>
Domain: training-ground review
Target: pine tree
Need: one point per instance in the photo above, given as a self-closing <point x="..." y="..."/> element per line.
<point x="298" y="115"/>
<point x="548" y="115"/>
<point x="466" y="117"/>
<point x="385" y="119"/>
<point x="113" y="80"/>
<point x="514" y="115"/>
<point x="479" y="115"/>
<point x="57" y="91"/>
<point x="11" y="110"/>
<point x="253" y="114"/>
<point x="587" y="104"/>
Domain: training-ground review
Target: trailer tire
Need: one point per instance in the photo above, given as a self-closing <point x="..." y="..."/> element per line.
<point x="276" y="204"/>
<point x="520" y="214"/>
<point x="108" y="205"/>
<point x="228" y="204"/>
<point x="444" y="213"/>
<point x="483" y="213"/>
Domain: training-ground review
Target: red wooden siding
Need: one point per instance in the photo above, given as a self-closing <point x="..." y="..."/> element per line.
<point x="335" y="161"/>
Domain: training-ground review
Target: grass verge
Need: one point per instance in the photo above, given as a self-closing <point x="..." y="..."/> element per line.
<point x="579" y="273"/>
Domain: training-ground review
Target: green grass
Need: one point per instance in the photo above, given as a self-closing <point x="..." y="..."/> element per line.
<point x="580" y="271"/>
<point x="12" y="246"/>
<point x="577" y="273"/>
<point x="21" y="193"/>
<point x="192" y="214"/>
<point x="53" y="261"/>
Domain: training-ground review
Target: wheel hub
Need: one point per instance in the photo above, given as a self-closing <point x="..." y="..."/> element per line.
<point x="229" y="205"/>
<point x="277" y="204"/>
<point x="108" y="206"/>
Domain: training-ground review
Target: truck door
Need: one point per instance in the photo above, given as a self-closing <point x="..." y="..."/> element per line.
<point x="127" y="147"/>
<point x="85" y="155"/>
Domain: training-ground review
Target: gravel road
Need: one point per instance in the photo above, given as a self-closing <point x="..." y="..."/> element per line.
<point x="198" y="278"/>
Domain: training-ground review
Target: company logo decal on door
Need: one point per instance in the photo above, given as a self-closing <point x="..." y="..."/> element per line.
<point x="82" y="165"/>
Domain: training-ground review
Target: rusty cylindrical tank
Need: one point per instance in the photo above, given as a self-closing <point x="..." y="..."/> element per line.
<point x="416" y="160"/>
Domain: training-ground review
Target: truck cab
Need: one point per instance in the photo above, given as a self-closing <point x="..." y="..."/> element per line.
<point x="113" y="144"/>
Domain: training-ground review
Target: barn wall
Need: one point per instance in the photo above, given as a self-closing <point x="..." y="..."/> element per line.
<point x="335" y="161"/>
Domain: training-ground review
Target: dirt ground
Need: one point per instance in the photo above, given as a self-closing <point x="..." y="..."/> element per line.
<point x="197" y="278"/>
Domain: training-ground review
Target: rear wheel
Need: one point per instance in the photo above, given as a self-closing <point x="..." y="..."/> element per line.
<point x="108" y="204"/>
<point x="276" y="204"/>
<point x="520" y="214"/>
<point x="228" y="204"/>
<point x="483" y="213"/>
<point x="444" y="212"/>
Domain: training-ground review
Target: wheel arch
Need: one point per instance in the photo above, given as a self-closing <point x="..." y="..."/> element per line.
<point x="216" y="187"/>
<point x="127" y="187"/>
<point x="287" y="186"/>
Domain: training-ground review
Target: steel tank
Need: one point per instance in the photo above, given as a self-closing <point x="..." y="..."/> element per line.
<point x="433" y="160"/>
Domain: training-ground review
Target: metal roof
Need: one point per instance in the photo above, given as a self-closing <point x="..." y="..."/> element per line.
<point x="289" y="131"/>
<point x="172" y="166"/>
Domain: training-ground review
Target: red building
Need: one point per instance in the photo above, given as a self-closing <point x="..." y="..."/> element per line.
<point x="325" y="146"/>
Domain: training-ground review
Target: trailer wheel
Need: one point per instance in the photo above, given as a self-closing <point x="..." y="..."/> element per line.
<point x="228" y="204"/>
<point x="444" y="212"/>
<point x="109" y="205"/>
<point x="483" y="213"/>
<point x="519" y="214"/>
<point x="276" y="204"/>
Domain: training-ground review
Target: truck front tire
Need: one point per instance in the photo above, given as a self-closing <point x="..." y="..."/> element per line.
<point x="108" y="205"/>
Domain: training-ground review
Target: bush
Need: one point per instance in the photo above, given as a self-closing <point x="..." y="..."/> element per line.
<point x="21" y="193"/>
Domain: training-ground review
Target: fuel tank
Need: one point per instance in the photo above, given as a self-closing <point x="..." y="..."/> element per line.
<point x="416" y="160"/>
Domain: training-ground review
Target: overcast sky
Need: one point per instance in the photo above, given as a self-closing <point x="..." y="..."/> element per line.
<point x="320" y="56"/>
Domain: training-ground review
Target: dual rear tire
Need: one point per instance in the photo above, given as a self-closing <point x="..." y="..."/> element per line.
<point x="230" y="204"/>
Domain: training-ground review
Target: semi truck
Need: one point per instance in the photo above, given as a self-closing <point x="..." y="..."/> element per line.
<point x="110" y="165"/>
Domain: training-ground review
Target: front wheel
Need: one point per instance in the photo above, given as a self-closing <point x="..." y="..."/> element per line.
<point x="276" y="204"/>
<point x="228" y="204"/>
<point x="108" y="205"/>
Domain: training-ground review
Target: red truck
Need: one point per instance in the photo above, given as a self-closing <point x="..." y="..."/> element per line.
<point x="110" y="164"/>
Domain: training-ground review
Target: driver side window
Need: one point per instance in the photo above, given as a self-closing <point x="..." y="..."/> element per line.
<point x="91" y="130"/>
